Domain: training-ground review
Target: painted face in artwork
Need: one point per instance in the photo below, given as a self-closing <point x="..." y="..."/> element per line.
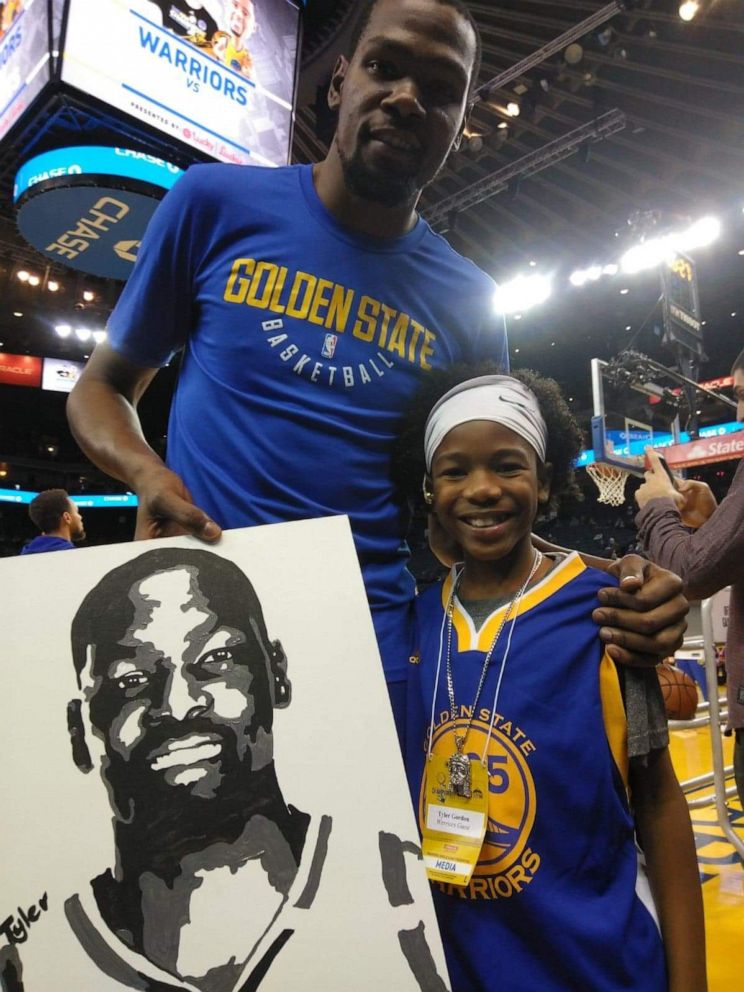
<point x="180" y="699"/>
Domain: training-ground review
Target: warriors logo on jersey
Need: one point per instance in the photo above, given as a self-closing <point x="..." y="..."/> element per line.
<point x="505" y="863"/>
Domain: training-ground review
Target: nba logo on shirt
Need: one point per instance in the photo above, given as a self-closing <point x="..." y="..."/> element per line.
<point x="329" y="346"/>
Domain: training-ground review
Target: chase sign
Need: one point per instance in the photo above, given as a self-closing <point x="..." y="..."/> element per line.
<point x="88" y="207"/>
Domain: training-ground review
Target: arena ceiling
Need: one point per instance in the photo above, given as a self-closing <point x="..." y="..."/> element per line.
<point x="675" y="91"/>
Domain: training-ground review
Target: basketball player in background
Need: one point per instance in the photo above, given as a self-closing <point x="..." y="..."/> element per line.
<point x="59" y="521"/>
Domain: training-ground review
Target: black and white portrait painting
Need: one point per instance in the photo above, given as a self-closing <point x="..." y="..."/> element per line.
<point x="202" y="786"/>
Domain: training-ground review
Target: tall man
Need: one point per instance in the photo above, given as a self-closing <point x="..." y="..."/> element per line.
<point x="685" y="529"/>
<point x="59" y="521"/>
<point x="310" y="301"/>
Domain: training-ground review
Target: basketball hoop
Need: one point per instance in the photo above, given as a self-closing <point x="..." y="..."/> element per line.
<point x="610" y="480"/>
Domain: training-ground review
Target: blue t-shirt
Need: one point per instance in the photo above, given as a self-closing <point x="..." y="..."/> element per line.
<point x="304" y="343"/>
<point x="46" y="543"/>
<point x="556" y="902"/>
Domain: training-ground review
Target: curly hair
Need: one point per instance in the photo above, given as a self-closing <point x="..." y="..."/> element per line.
<point x="564" y="435"/>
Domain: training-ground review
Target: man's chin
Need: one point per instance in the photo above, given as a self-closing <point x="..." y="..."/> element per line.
<point x="197" y="781"/>
<point x="172" y="794"/>
<point x="382" y="187"/>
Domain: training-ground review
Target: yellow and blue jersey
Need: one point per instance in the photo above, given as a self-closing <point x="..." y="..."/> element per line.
<point x="556" y="903"/>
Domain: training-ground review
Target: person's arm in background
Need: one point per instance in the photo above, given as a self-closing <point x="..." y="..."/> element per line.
<point x="102" y="412"/>
<point x="642" y="620"/>
<point x="711" y="557"/>
<point x="665" y="833"/>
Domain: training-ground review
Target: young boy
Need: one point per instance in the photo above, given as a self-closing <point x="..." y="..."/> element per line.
<point x="517" y="726"/>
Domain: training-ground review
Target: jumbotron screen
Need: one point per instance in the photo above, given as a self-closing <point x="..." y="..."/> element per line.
<point x="217" y="75"/>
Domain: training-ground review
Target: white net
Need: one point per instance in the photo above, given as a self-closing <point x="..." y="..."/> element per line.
<point x="610" y="481"/>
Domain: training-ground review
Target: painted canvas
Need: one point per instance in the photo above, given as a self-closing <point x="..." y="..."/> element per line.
<point x="202" y="786"/>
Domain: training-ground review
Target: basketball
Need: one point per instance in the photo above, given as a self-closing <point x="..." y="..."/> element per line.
<point x="679" y="692"/>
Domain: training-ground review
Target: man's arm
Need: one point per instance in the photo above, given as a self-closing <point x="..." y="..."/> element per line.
<point x="665" y="832"/>
<point x="708" y="559"/>
<point x="102" y="411"/>
<point x="643" y="619"/>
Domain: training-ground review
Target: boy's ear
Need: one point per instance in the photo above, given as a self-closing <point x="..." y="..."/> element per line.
<point x="428" y="490"/>
<point x="337" y="81"/>
<point x="544" y="479"/>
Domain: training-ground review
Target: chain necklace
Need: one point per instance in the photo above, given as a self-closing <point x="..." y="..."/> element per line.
<point x="459" y="764"/>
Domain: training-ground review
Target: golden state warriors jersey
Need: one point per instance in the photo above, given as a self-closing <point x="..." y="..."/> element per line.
<point x="555" y="901"/>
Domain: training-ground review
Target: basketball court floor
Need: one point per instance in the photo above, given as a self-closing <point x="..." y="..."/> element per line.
<point x="721" y="869"/>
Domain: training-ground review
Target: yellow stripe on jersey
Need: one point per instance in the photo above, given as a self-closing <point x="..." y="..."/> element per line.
<point x="470" y="640"/>
<point x="613" y="712"/>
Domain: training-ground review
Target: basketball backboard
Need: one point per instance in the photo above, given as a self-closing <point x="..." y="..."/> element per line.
<point x="631" y="412"/>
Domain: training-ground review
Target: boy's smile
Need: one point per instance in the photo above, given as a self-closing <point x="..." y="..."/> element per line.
<point x="487" y="489"/>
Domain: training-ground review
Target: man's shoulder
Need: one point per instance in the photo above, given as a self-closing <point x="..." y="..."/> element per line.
<point x="462" y="268"/>
<point x="45" y="543"/>
<point x="231" y="184"/>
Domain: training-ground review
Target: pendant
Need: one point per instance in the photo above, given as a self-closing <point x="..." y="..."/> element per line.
<point x="458" y="767"/>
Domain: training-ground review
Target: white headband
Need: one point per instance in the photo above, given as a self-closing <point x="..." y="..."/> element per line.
<point x="498" y="398"/>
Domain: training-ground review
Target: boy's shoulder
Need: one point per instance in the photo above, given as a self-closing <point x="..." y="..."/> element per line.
<point x="430" y="597"/>
<point x="568" y="565"/>
<point x="599" y="578"/>
<point x="214" y="184"/>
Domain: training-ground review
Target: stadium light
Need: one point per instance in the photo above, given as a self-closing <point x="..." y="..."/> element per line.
<point x="653" y="252"/>
<point x="63" y="330"/>
<point x="82" y="333"/>
<point x="522" y="293"/>
<point x="582" y="276"/>
<point x="689" y="9"/>
<point x="647" y="255"/>
<point x="701" y="234"/>
<point x="99" y="336"/>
